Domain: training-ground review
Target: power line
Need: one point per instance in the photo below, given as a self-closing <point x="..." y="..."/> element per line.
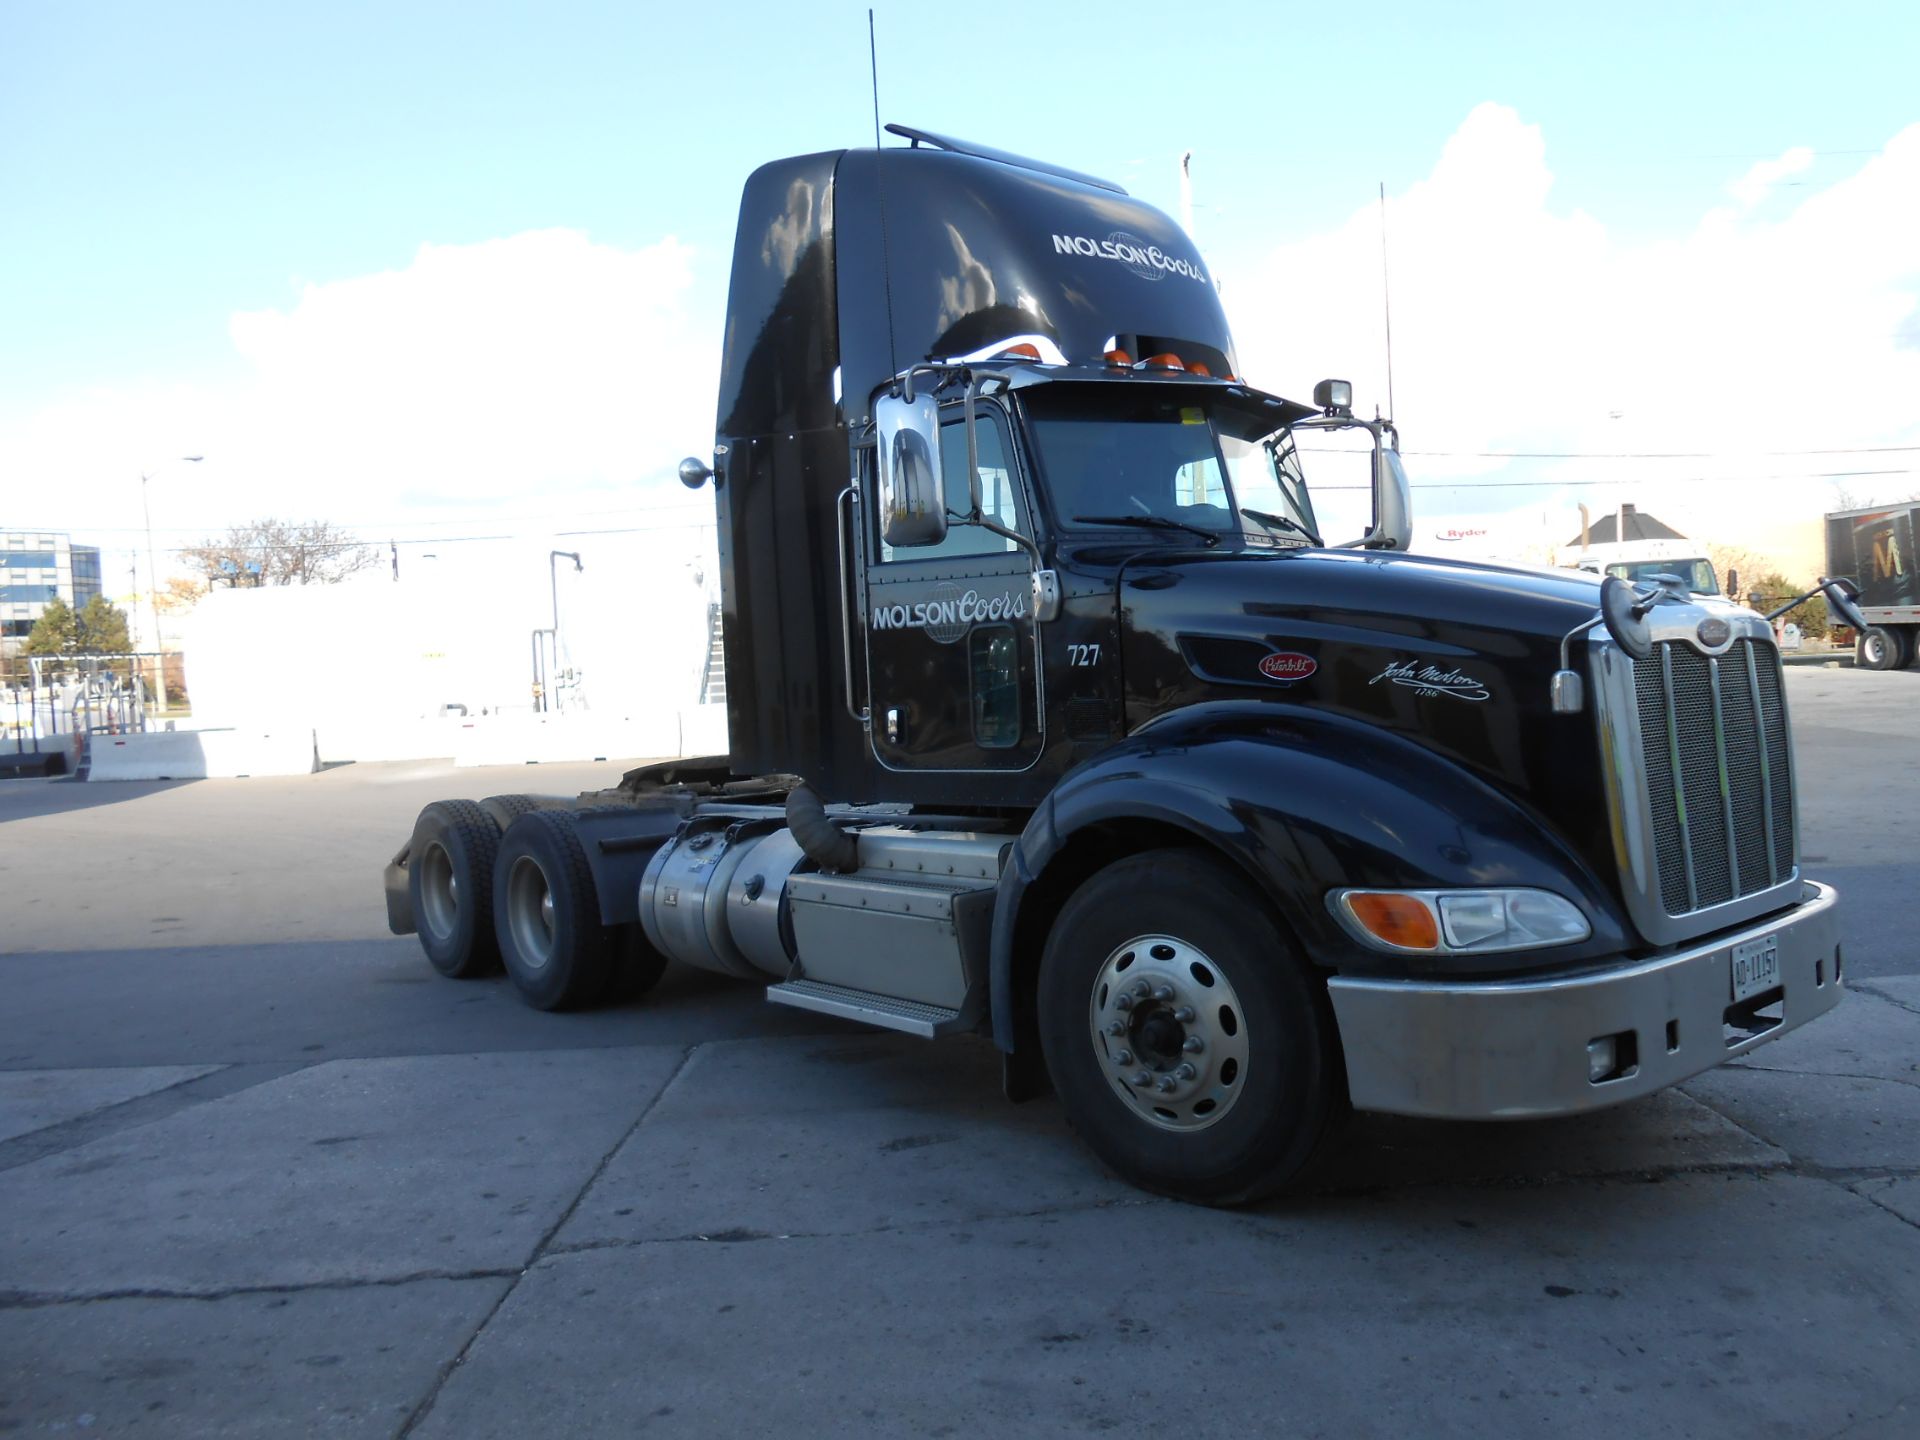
<point x="1624" y="454"/>
<point x="1654" y="454"/>
<point x="1588" y="484"/>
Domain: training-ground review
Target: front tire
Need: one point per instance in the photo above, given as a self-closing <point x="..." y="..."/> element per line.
<point x="1192" y="1047"/>
<point x="546" y="913"/>
<point x="450" y="882"/>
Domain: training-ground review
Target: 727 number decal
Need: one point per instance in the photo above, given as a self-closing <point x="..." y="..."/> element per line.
<point x="1078" y="655"/>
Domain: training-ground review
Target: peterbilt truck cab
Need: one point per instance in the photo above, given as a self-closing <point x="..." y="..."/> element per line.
<point x="1055" y="718"/>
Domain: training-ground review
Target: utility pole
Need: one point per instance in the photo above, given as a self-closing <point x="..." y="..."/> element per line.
<point x="153" y="592"/>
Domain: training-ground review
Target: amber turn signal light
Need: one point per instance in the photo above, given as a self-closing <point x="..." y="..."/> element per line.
<point x="1404" y="921"/>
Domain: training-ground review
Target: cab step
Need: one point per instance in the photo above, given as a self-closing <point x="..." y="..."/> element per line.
<point x="907" y="1016"/>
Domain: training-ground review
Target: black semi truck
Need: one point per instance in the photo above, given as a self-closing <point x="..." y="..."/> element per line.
<point x="1055" y="717"/>
<point x="1874" y="549"/>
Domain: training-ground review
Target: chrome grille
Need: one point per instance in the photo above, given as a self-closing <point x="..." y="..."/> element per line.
<point x="1713" y="749"/>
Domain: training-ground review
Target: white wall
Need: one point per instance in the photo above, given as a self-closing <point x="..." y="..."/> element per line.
<point x="363" y="661"/>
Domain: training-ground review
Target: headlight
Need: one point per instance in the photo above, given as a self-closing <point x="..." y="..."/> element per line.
<point x="1458" y="922"/>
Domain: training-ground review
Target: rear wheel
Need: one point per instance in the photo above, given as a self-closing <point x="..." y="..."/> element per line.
<point x="547" y="914"/>
<point x="1882" y="647"/>
<point x="1193" y="1049"/>
<point x="450" y="879"/>
<point x="505" y="809"/>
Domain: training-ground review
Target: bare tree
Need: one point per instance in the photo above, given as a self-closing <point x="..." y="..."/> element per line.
<point x="281" y="552"/>
<point x="1729" y="559"/>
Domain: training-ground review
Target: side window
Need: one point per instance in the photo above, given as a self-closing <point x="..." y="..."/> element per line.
<point x="993" y="662"/>
<point x="999" y="493"/>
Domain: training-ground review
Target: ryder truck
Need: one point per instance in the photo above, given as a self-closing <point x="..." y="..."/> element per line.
<point x="1054" y="717"/>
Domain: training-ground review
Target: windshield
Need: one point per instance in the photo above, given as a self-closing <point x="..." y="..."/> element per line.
<point x="1141" y="457"/>
<point x="1698" y="574"/>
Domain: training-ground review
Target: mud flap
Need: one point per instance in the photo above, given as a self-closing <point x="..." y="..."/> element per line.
<point x="399" y="895"/>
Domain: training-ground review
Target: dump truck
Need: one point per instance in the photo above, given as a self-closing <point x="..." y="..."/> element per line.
<point x="1055" y="718"/>
<point x="1873" y="548"/>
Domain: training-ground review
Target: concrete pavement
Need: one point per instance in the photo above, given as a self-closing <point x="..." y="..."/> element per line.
<point x="266" y="1174"/>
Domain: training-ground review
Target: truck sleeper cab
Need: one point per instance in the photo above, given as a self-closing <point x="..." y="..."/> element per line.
<point x="1055" y="717"/>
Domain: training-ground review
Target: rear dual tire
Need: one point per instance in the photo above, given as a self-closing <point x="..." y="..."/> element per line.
<point x="450" y="882"/>
<point x="1884" y="647"/>
<point x="546" y="913"/>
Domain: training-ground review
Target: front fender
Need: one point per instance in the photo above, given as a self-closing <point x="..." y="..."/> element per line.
<point x="1303" y="802"/>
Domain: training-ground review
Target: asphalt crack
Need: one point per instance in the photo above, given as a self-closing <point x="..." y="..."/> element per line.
<point x="1867" y="987"/>
<point x="540" y="1250"/>
<point x="140" y="1110"/>
<point x="1824" y="1074"/>
<point x="916" y="1227"/>
<point x="40" y="1300"/>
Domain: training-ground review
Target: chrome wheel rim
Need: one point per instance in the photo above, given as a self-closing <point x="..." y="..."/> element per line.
<point x="439" y="891"/>
<point x="1169" y="1032"/>
<point x="530" y="912"/>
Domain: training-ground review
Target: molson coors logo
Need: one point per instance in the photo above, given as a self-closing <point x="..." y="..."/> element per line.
<point x="950" y="613"/>
<point x="1149" y="262"/>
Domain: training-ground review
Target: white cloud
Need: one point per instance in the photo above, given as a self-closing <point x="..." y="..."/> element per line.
<point x="1753" y="187"/>
<point x="539" y="377"/>
<point x="547" y="377"/>
<point x="1519" y="327"/>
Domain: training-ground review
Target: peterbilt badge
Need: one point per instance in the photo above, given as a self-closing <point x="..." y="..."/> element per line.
<point x="1287" y="666"/>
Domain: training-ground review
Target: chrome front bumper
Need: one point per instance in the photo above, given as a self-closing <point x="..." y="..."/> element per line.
<point x="1498" y="1050"/>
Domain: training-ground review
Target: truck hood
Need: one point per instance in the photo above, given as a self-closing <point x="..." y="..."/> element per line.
<point x="1453" y="655"/>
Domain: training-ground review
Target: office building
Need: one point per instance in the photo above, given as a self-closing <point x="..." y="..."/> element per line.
<point x="36" y="568"/>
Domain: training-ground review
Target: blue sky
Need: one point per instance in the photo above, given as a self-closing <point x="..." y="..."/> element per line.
<point x="167" y="168"/>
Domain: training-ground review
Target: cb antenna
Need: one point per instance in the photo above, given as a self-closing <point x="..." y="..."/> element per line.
<point x="1386" y="293"/>
<point x="880" y="194"/>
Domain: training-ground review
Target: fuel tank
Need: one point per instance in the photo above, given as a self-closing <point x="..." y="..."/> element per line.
<point x="1455" y="656"/>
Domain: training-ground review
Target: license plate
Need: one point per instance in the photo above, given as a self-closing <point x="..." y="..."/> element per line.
<point x="1756" y="967"/>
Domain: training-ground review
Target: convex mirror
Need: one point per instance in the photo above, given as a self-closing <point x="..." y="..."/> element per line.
<point x="1392" y="502"/>
<point x="913" y="497"/>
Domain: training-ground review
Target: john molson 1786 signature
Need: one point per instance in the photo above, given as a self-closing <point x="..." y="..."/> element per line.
<point x="1432" y="680"/>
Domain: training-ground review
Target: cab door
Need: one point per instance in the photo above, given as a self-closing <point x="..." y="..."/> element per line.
<point x="952" y="641"/>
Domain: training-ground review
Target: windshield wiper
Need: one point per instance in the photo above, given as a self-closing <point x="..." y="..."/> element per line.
<point x="1152" y="522"/>
<point x="1272" y="521"/>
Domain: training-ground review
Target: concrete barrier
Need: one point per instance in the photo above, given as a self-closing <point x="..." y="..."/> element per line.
<point x="365" y="740"/>
<point x="200" y="754"/>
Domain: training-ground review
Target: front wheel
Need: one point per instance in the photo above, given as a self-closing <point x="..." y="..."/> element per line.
<point x="1192" y="1047"/>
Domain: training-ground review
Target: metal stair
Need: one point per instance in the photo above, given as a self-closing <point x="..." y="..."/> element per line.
<point x="713" y="684"/>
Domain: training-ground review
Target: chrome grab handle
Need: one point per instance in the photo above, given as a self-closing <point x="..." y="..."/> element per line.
<point x="841" y="526"/>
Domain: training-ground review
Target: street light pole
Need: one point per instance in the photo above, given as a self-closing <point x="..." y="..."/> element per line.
<point x="153" y="590"/>
<point x="553" y="577"/>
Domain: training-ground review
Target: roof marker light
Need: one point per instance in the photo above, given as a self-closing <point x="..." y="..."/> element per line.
<point x="1118" y="358"/>
<point x="1198" y="369"/>
<point x="1022" y="351"/>
<point x="1166" y="360"/>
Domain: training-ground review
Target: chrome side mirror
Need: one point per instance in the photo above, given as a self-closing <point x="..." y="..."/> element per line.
<point x="1392" y="502"/>
<point x="913" y="498"/>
